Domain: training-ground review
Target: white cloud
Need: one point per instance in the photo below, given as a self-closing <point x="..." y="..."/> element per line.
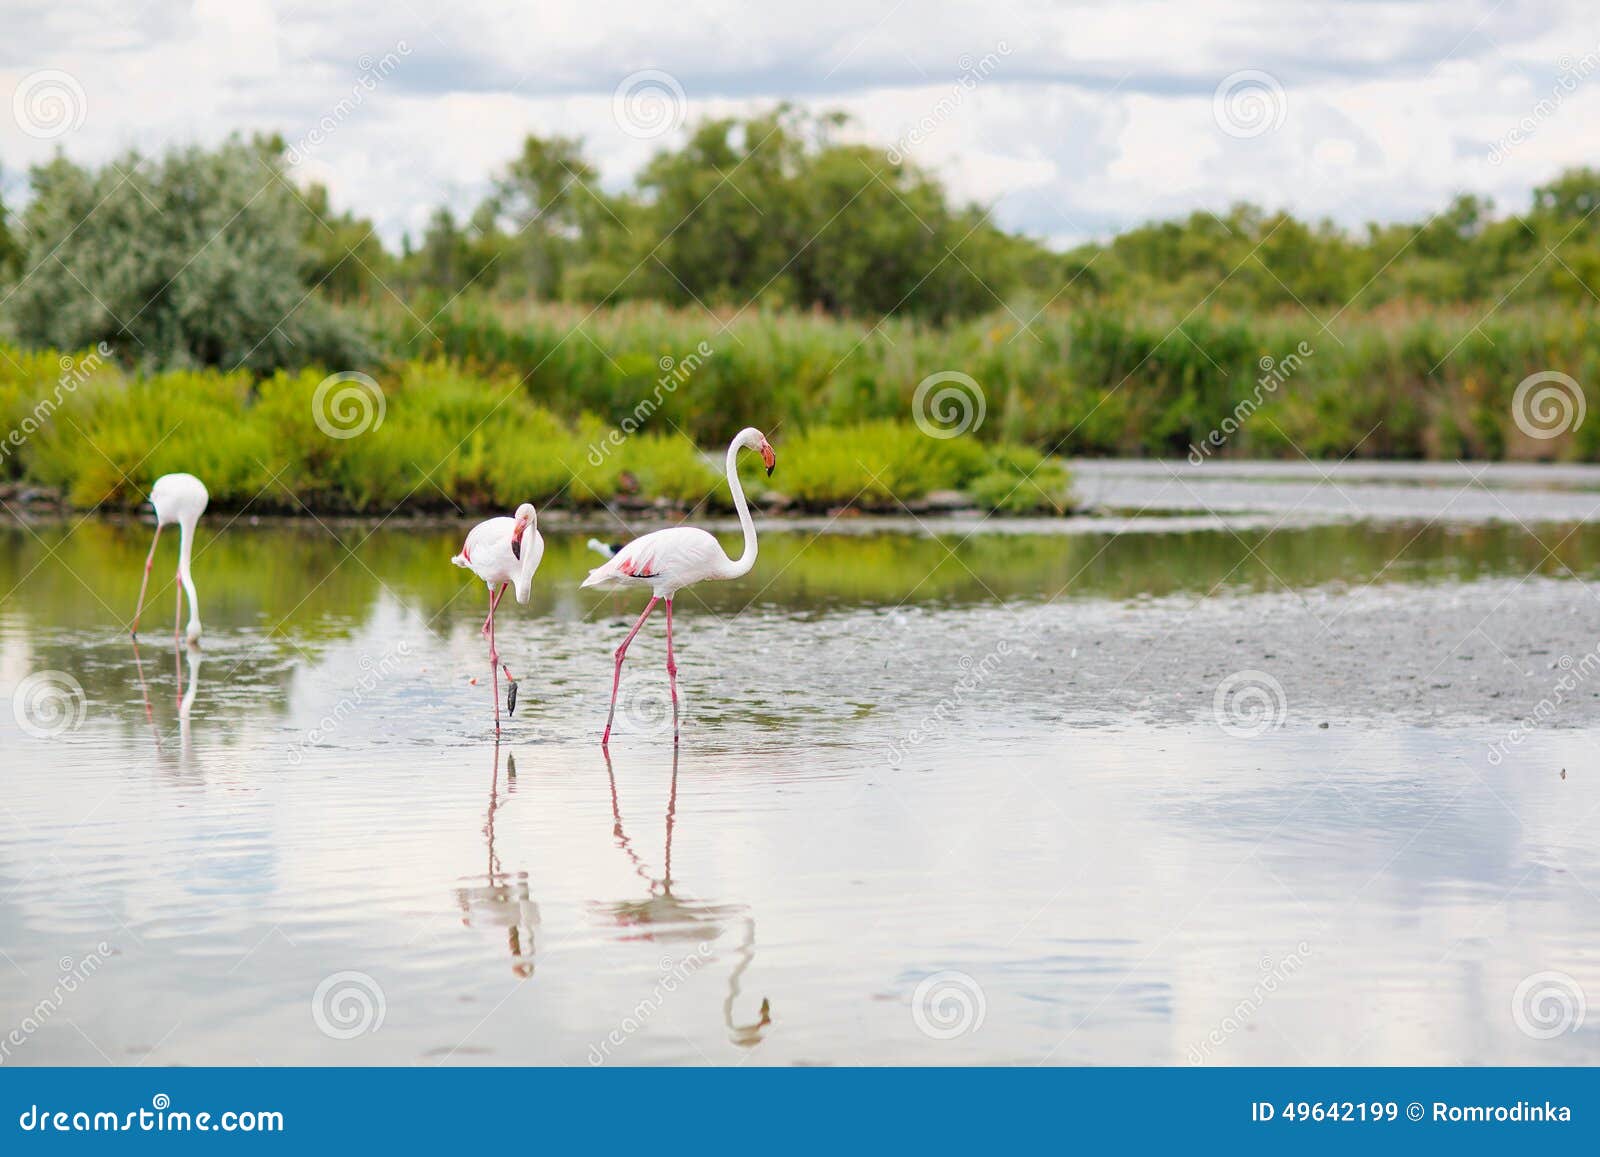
<point x="1097" y="117"/>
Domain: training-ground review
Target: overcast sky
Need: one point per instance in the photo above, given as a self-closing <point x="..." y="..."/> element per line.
<point x="1071" y="120"/>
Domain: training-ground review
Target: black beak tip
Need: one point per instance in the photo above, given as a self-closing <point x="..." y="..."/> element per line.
<point x="511" y="697"/>
<point x="770" y="469"/>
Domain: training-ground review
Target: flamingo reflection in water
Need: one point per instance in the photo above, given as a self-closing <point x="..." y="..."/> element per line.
<point x="502" y="899"/>
<point x="185" y="696"/>
<point x="666" y="915"/>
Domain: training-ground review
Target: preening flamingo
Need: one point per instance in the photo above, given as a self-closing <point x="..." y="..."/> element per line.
<point x="503" y="551"/>
<point x="666" y="561"/>
<point x="179" y="498"/>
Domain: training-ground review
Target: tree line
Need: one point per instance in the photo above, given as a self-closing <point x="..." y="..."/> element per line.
<point x="216" y="257"/>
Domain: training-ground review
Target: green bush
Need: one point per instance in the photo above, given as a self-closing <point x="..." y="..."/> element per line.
<point x="875" y="464"/>
<point x="433" y="437"/>
<point x="195" y="259"/>
<point x="882" y="465"/>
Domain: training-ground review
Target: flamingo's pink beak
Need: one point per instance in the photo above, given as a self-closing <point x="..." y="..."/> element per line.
<point x="517" y="532"/>
<point x="768" y="458"/>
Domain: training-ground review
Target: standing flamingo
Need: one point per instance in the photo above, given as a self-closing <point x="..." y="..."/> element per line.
<point x="179" y="498"/>
<point x="501" y="551"/>
<point x="666" y="561"/>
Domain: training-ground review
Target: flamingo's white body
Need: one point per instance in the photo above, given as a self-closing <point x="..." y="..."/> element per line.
<point x="503" y="552"/>
<point x="666" y="561"/>
<point x="179" y="498"/>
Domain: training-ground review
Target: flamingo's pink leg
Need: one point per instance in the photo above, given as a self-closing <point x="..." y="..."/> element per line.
<point x="145" y="582"/>
<point x="494" y="601"/>
<point x="497" y="597"/>
<point x="672" y="673"/>
<point x="494" y="663"/>
<point x="616" y="676"/>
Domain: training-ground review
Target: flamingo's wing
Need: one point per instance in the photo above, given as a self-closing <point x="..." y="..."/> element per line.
<point x="629" y="563"/>
<point x="464" y="557"/>
<point x="683" y="553"/>
<point x="485" y="542"/>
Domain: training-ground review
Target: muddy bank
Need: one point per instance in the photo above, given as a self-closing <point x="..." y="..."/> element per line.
<point x="1487" y="652"/>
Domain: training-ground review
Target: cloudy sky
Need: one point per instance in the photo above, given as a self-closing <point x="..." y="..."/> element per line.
<point x="1071" y="120"/>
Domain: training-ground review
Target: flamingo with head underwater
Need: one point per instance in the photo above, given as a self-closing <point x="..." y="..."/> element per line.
<point x="503" y="551"/>
<point x="179" y="498"/>
<point x="668" y="560"/>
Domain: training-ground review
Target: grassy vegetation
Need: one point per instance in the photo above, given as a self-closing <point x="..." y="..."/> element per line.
<point x="486" y="405"/>
<point x="448" y="438"/>
<point x="1399" y="382"/>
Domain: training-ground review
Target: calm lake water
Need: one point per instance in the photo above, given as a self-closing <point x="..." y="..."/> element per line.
<point x="1233" y="774"/>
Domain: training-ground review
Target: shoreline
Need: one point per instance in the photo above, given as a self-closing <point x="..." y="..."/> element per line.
<point x="1115" y="496"/>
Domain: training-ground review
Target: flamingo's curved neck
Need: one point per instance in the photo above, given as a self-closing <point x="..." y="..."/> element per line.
<point x="532" y="549"/>
<point x="185" y="549"/>
<point x="741" y="565"/>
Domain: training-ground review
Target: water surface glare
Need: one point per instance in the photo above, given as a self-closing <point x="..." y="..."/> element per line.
<point x="942" y="797"/>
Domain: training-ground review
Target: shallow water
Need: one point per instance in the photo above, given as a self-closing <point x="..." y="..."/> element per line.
<point x="1194" y="790"/>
